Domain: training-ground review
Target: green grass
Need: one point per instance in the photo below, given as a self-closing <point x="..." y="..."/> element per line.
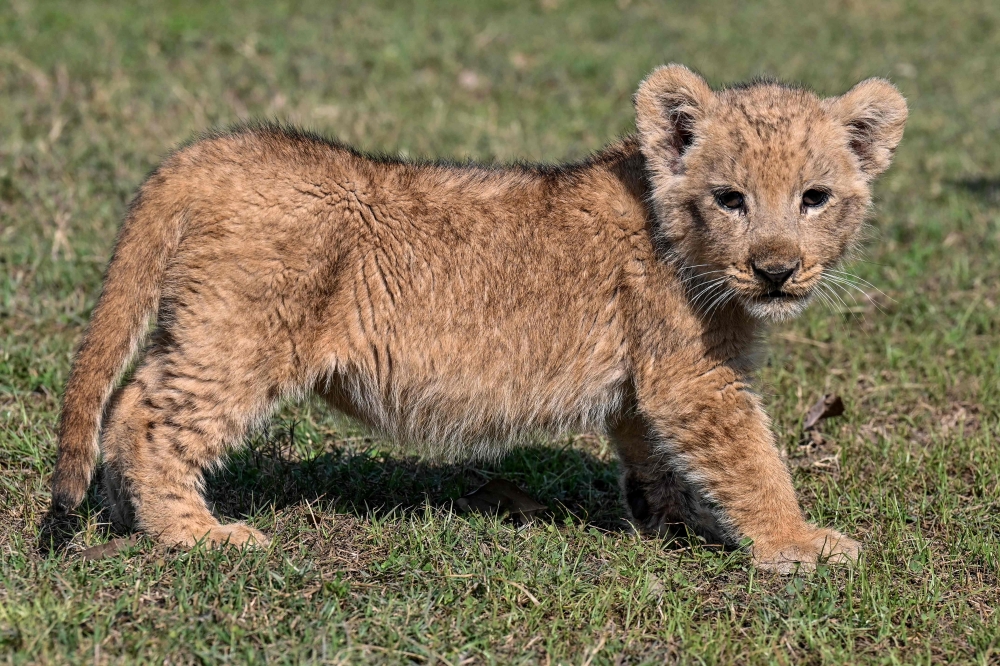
<point x="368" y="562"/>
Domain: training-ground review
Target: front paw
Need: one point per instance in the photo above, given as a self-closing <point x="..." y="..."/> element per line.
<point x="235" y="535"/>
<point x="820" y="546"/>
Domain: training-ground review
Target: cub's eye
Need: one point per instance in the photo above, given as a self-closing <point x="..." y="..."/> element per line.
<point x="814" y="198"/>
<point x="730" y="200"/>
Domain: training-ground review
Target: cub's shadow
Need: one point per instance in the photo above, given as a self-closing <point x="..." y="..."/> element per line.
<point x="369" y="481"/>
<point x="359" y="477"/>
<point x="986" y="189"/>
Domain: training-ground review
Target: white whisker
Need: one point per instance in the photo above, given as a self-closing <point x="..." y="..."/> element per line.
<point x="706" y="289"/>
<point x="718" y="305"/>
<point x="705" y="297"/>
<point x="717" y="302"/>
<point x="851" y="276"/>
<point x="700" y="275"/>
<point x="833" y="280"/>
<point x="844" y="284"/>
<point x="833" y="292"/>
<point x="826" y="299"/>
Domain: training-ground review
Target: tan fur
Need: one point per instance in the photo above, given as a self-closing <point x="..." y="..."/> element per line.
<point x="468" y="308"/>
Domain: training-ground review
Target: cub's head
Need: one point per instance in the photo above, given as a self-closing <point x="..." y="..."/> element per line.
<point x="760" y="189"/>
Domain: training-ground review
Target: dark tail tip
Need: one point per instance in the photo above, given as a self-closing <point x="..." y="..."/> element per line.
<point x="69" y="485"/>
<point x="64" y="501"/>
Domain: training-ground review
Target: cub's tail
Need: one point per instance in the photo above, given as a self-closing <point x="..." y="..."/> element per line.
<point x="146" y="241"/>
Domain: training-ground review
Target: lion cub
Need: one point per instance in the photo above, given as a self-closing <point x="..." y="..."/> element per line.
<point x="472" y="308"/>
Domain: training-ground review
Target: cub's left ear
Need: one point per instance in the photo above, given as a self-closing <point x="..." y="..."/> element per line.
<point x="875" y="114"/>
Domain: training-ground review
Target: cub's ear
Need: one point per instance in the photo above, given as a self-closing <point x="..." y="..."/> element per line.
<point x="875" y="114"/>
<point x="668" y="105"/>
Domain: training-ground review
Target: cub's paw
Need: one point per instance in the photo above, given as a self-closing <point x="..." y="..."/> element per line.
<point x="819" y="547"/>
<point x="237" y="534"/>
<point x="221" y="536"/>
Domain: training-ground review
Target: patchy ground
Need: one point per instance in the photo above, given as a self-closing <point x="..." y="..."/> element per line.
<point x="371" y="562"/>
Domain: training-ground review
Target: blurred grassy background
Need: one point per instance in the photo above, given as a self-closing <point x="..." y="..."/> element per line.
<point x="94" y="94"/>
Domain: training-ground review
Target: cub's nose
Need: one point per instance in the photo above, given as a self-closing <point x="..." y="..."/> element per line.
<point x="776" y="274"/>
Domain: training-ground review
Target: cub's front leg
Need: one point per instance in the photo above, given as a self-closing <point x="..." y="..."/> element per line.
<point x="698" y="449"/>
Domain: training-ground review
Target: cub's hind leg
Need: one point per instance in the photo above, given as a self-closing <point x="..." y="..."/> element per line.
<point x="115" y="447"/>
<point x="658" y="498"/>
<point x="175" y="419"/>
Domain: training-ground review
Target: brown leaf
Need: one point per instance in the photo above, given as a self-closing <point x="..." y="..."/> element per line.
<point x="498" y="496"/>
<point x="110" y="548"/>
<point x="828" y="406"/>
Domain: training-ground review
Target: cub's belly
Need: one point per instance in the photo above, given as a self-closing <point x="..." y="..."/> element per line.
<point x="457" y="396"/>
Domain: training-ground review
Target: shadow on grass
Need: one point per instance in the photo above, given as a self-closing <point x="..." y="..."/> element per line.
<point x="58" y="529"/>
<point x="369" y="481"/>
<point x="987" y="189"/>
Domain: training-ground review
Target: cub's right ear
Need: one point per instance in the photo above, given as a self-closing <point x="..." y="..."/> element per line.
<point x="874" y="113"/>
<point x="668" y="104"/>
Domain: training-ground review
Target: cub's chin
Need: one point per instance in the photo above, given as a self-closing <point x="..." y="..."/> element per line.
<point x="779" y="306"/>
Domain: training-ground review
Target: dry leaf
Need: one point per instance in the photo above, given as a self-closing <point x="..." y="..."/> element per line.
<point x="827" y="407"/>
<point x="498" y="496"/>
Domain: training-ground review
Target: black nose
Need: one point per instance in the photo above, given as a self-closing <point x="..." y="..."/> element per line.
<point x="776" y="274"/>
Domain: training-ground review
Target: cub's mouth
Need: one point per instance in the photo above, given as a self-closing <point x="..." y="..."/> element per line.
<point x="777" y="304"/>
<point x="779" y="294"/>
